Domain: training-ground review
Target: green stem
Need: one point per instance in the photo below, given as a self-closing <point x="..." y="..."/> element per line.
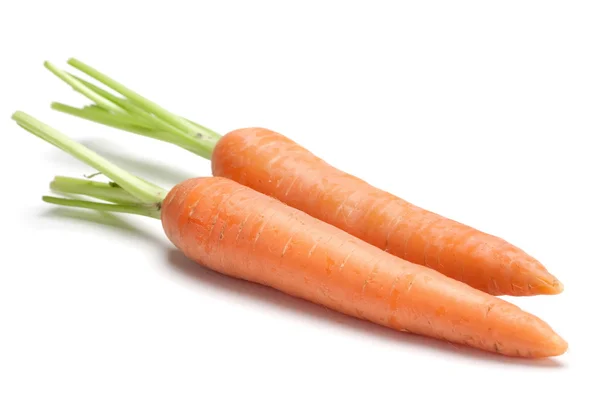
<point x="135" y="113"/>
<point x="140" y="116"/>
<point x="129" y="209"/>
<point x="95" y="113"/>
<point x="122" y="122"/>
<point x="79" y="87"/>
<point x="124" y="111"/>
<point x="141" y="101"/>
<point x="122" y="102"/>
<point x="110" y="192"/>
<point x="140" y="189"/>
<point x="116" y="121"/>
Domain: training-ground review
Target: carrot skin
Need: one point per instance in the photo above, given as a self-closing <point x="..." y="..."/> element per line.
<point x="277" y="166"/>
<point x="242" y="233"/>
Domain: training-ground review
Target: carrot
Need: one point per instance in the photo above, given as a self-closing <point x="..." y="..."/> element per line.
<point x="242" y="233"/>
<point x="277" y="166"/>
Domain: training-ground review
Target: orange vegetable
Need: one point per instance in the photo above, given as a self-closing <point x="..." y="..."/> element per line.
<point x="275" y="165"/>
<point x="240" y="232"/>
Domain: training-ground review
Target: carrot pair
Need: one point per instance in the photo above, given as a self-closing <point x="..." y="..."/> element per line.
<point x="272" y="164"/>
<point x="241" y="232"/>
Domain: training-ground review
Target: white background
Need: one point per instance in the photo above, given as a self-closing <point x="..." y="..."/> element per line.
<point x="485" y="112"/>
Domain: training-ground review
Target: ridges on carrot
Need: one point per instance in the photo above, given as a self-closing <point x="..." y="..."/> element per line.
<point x="240" y="232"/>
<point x="277" y="166"/>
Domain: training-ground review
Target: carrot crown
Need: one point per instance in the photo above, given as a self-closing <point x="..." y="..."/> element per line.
<point x="126" y="192"/>
<point x="126" y="110"/>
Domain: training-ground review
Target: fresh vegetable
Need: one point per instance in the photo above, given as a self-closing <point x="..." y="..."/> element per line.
<point x="240" y="232"/>
<point x="275" y="165"/>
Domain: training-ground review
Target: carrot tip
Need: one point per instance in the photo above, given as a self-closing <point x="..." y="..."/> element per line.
<point x="559" y="346"/>
<point x="558" y="286"/>
<point x="549" y="285"/>
<point x="554" y="287"/>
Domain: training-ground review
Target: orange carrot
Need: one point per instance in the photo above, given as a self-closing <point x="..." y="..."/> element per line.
<point x="240" y="232"/>
<point x="275" y="165"/>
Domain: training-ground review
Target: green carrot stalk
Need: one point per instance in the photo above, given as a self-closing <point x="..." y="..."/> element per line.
<point x="126" y="193"/>
<point x="132" y="112"/>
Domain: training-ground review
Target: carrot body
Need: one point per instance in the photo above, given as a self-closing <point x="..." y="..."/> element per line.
<point x="275" y="165"/>
<point x="242" y="233"/>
